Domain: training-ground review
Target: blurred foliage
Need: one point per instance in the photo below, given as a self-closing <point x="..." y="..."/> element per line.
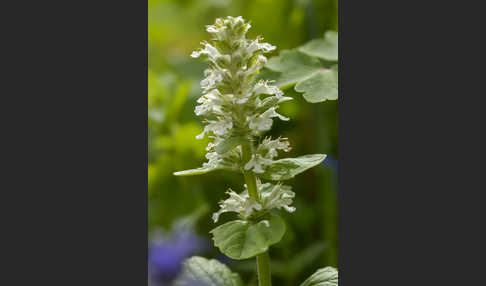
<point x="175" y="29"/>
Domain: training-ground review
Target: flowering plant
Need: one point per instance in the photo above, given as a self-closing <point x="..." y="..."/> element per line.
<point x="238" y="109"/>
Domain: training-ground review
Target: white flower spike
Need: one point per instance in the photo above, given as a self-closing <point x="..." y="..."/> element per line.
<point x="232" y="101"/>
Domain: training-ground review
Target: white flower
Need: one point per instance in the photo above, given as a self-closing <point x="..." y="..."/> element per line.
<point x="214" y="143"/>
<point x="268" y="148"/>
<point x="257" y="163"/>
<point x="277" y="144"/>
<point x="265" y="152"/>
<point x="279" y="197"/>
<point x="213" y="54"/>
<point x="262" y="87"/>
<point x="242" y="204"/>
<point x="219" y="127"/>
<point x="256" y="46"/>
<point x="208" y="50"/>
<point x="260" y="62"/>
<point x="263" y="122"/>
<point x="217" y="30"/>
<point x="238" y="20"/>
<point x="213" y="76"/>
<point x="213" y="160"/>
<point x="272" y="197"/>
<point x="210" y="102"/>
<point x="229" y="160"/>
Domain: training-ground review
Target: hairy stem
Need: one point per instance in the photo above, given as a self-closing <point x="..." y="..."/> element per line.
<point x="263" y="260"/>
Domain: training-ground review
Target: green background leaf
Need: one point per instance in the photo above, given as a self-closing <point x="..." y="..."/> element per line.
<point x="204" y="272"/>
<point x="293" y="66"/>
<point x="321" y="86"/>
<point x="325" y="48"/>
<point x="307" y="73"/>
<point x="327" y="276"/>
<point x="241" y="239"/>
<point x="287" y="168"/>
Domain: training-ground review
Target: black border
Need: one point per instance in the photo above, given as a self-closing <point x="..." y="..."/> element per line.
<point x="77" y="144"/>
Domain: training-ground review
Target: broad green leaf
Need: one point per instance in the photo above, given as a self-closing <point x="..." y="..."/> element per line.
<point x="228" y="144"/>
<point x="317" y="82"/>
<point x="241" y="239"/>
<point x="321" y="86"/>
<point x="287" y="168"/>
<point x="193" y="172"/>
<point x="293" y="66"/>
<point x="327" y="276"/>
<point x="325" y="48"/>
<point x="204" y="272"/>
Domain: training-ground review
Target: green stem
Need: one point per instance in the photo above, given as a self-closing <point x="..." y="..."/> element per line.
<point x="263" y="267"/>
<point x="250" y="178"/>
<point x="263" y="260"/>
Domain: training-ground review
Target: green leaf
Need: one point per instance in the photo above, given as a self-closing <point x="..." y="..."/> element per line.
<point x="293" y="66"/>
<point x="321" y="86"/>
<point x="327" y="276"/>
<point x="228" y="144"/>
<point x="240" y="239"/>
<point x="193" y="172"/>
<point x="317" y="82"/>
<point x="204" y="272"/>
<point x="287" y="168"/>
<point x="325" y="48"/>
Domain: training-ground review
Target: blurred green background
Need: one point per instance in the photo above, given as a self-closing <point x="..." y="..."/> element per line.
<point x="175" y="29"/>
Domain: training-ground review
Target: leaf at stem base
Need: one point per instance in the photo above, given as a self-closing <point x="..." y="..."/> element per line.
<point x="206" y="272"/>
<point x="240" y="239"/>
<point x="327" y="276"/>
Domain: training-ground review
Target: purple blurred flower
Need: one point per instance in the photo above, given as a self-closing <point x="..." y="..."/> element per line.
<point x="331" y="163"/>
<point x="167" y="252"/>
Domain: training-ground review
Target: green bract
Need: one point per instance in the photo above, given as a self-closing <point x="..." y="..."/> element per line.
<point x="242" y="239"/>
<point x="193" y="172"/>
<point x="287" y="168"/>
<point x="204" y="272"/>
<point x="327" y="276"/>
